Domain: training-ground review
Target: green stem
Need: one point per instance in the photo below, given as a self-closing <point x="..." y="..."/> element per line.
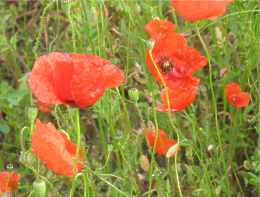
<point x="139" y="113"/>
<point x="175" y="18"/>
<point x="214" y="104"/>
<point x="214" y="101"/>
<point x="77" y="151"/>
<point x="22" y="139"/>
<point x="85" y="180"/>
<point x="73" y="187"/>
<point x="78" y="133"/>
<point x="152" y="166"/>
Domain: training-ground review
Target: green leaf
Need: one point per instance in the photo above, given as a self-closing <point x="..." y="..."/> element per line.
<point x="11" y="95"/>
<point x="4" y="128"/>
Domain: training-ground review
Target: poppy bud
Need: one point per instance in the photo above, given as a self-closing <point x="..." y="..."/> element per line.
<point x="133" y="94"/>
<point x="27" y="158"/>
<point x="32" y="113"/>
<point x="39" y="188"/>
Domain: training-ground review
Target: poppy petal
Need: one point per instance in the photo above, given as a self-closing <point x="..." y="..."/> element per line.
<point x="159" y="141"/>
<point x="158" y="28"/>
<point x="8" y="181"/>
<point x="235" y="96"/>
<point x="193" y="10"/>
<point x="194" y="59"/>
<point x="181" y="94"/>
<point x="243" y="99"/>
<point x="72" y="149"/>
<point x="90" y="59"/>
<point x="55" y="150"/>
<point x="112" y="75"/>
<point x="41" y="80"/>
<point x="232" y="88"/>
<point x="62" y="76"/>
<point x="92" y="76"/>
<point x="87" y="86"/>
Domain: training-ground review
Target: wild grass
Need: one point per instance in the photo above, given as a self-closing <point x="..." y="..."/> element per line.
<point x="219" y="154"/>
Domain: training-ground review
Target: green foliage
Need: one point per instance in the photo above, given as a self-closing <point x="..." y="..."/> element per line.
<point x="10" y="99"/>
<point x="219" y="153"/>
<point x="4" y="128"/>
<point x="251" y="173"/>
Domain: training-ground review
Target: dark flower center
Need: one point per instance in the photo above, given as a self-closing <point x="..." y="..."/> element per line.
<point x="165" y="64"/>
<point x="234" y="98"/>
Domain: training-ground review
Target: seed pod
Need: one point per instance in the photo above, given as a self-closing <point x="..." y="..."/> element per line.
<point x="144" y="163"/>
<point x="133" y="94"/>
<point x="39" y="188"/>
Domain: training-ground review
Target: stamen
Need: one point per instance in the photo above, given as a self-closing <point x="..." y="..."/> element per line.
<point x="165" y="64"/>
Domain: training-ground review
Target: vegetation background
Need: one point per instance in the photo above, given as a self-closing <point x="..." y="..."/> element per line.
<point x="220" y="145"/>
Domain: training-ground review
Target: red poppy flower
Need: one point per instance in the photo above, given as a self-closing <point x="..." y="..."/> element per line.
<point x="193" y="10"/>
<point x="173" y="58"/>
<point x="157" y="28"/>
<point x="161" y="143"/>
<point x="8" y="182"/>
<point x="235" y="96"/>
<point x="79" y="79"/>
<point x="179" y="93"/>
<point x="55" y="149"/>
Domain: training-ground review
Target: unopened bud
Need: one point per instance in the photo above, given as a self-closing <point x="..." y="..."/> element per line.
<point x="39" y="188"/>
<point x="133" y="94"/>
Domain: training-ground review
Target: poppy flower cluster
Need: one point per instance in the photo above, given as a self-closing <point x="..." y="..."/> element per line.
<point x="73" y="79"/>
<point x="172" y="62"/>
<point x="193" y="11"/>
<point x="8" y="182"/>
<point x="81" y="79"/>
<point x="160" y="142"/>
